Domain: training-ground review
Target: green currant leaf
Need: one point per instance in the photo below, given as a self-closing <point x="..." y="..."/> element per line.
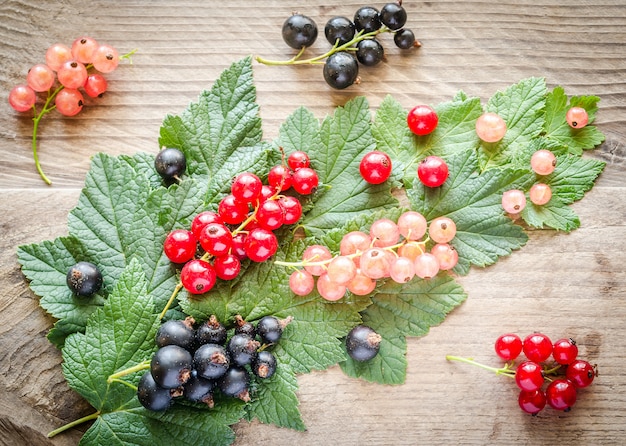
<point x="554" y="214"/>
<point x="573" y="177"/>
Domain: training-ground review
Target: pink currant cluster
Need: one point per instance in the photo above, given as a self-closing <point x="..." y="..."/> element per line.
<point x="69" y="66"/>
<point x="242" y="228"/>
<point x="532" y="374"/>
<point x="395" y="250"/>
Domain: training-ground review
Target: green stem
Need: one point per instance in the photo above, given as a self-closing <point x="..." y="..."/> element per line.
<point x="506" y="370"/>
<point x="348" y="46"/>
<point x="68" y="426"/>
<point x="136" y="368"/>
<point x="169" y="303"/>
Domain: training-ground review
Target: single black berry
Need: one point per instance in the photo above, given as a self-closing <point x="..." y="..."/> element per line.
<point x="211" y="361"/>
<point x="84" y="279"/>
<point x="264" y="365"/>
<point x="211" y="332"/>
<point x="270" y="329"/>
<point x="176" y="332"/>
<point x="199" y="389"/>
<point x="242" y="349"/>
<point x="369" y="52"/>
<point x="362" y="343"/>
<point x="341" y="70"/>
<point x="299" y="31"/>
<point x="244" y="327"/>
<point x="151" y="395"/>
<point x="339" y="30"/>
<point x="393" y="16"/>
<point x="404" y="39"/>
<point x="235" y="383"/>
<point x="171" y="366"/>
<point x="367" y="19"/>
<point x="170" y="163"/>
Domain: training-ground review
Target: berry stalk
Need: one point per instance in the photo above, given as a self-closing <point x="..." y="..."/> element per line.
<point x="505" y="370"/>
<point x="74" y="423"/>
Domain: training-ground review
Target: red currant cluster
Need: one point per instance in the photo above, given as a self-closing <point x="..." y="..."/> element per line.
<point x="243" y="225"/>
<point x="390" y="250"/>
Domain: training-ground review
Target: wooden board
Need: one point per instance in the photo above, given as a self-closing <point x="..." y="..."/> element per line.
<point x="563" y="284"/>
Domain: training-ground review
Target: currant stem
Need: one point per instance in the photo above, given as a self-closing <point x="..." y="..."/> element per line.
<point x="136" y="368"/>
<point x="74" y="423"/>
<point x="505" y="370"/>
<point x="179" y="286"/>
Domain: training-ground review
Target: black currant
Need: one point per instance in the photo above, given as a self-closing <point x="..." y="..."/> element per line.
<point x="367" y="19"/>
<point x="362" y="343"/>
<point x="235" y="383"/>
<point x="264" y="365"/>
<point x="243" y="327"/>
<point x="299" y="31"/>
<point x="170" y="163"/>
<point x="404" y="39"/>
<point x="242" y="349"/>
<point x="84" y="279"/>
<point x="211" y="361"/>
<point x="199" y="389"/>
<point x="211" y="332"/>
<point x="171" y="366"/>
<point x="339" y="30"/>
<point x="369" y="52"/>
<point x="341" y="70"/>
<point x="176" y="332"/>
<point x="393" y="16"/>
<point x="270" y="328"/>
<point x="151" y="395"/>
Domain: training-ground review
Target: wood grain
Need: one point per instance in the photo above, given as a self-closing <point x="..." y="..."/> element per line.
<point x="562" y="284"/>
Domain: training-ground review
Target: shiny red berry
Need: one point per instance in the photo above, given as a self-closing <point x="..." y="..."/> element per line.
<point x="432" y="171"/>
<point x="246" y="187"/>
<point x="537" y="347"/>
<point x="260" y="244"/>
<point x="532" y="402"/>
<point x="180" y="246"/>
<point x="216" y="239"/>
<point x="422" y="120"/>
<point x="232" y="211"/>
<point x="305" y="181"/>
<point x="279" y="177"/>
<point x="508" y="346"/>
<point x="298" y="160"/>
<point x="375" y="167"/>
<point x="198" y="276"/>
<point x="529" y="376"/>
<point x="564" y="351"/>
<point x="561" y="394"/>
<point x="292" y="209"/>
<point x="227" y="267"/>
<point x="581" y="373"/>
<point x="270" y="215"/>
<point x="202" y="219"/>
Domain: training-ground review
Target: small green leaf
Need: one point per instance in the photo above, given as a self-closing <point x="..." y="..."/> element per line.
<point x="554" y="214"/>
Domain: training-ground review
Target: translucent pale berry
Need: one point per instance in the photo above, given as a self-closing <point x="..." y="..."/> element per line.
<point x="537" y="347"/>
<point x="561" y="394"/>
<point x="232" y="211"/>
<point x="227" y="267"/>
<point x="490" y="127"/>
<point x="513" y="201"/>
<point x="297" y="160"/>
<point x="543" y="162"/>
<point x="216" y="239"/>
<point x="402" y="270"/>
<point x="330" y="290"/>
<point x="540" y="194"/>
<point x="532" y="402"/>
<point x="83" y="49"/>
<point x="69" y="101"/>
<point x="305" y="181"/>
<point x="279" y="177"/>
<point x="57" y="55"/>
<point x="292" y="209"/>
<point x="375" y="263"/>
<point x="577" y="117"/>
<point x="384" y="232"/>
<point x="246" y="187"/>
<point x="40" y="77"/>
<point x="442" y="229"/>
<point x="529" y="376"/>
<point x="412" y="225"/>
<point x="341" y="270"/>
<point x="361" y="285"/>
<point x="316" y="254"/>
<point x="105" y="59"/>
<point x="95" y="85"/>
<point x="202" y="219"/>
<point x="446" y="255"/>
<point x="564" y="351"/>
<point x="72" y="74"/>
<point x="375" y="167"/>
<point x="432" y="171"/>
<point x="260" y="244"/>
<point x="354" y="242"/>
<point x="180" y="246"/>
<point x="581" y="373"/>
<point x="301" y="282"/>
<point x="422" y="120"/>
<point x="22" y="98"/>
<point x="270" y="215"/>
<point x="426" y="266"/>
<point x="508" y="346"/>
<point x="412" y="250"/>
<point x="198" y="276"/>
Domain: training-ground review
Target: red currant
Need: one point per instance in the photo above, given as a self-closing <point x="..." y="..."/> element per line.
<point x="180" y="246"/>
<point x="305" y="180"/>
<point x="537" y="347"/>
<point x="203" y="219"/>
<point x="246" y="187"/>
<point x="238" y="247"/>
<point x="422" y="120"/>
<point x="279" y="177"/>
<point x="260" y="244"/>
<point x="508" y="346"/>
<point x="270" y="215"/>
<point x="232" y="210"/>
<point x="216" y="239"/>
<point x="564" y="351"/>
<point x="532" y="402"/>
<point x="432" y="171"/>
<point x="298" y="160"/>
<point x="227" y="267"/>
<point x="375" y="167"/>
<point x="292" y="209"/>
<point x="267" y="192"/>
<point x="198" y="276"/>
<point x="529" y="376"/>
<point x="561" y="394"/>
<point x="581" y="373"/>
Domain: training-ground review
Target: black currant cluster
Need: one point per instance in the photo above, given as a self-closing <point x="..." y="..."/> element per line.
<point x="354" y="41"/>
<point x="194" y="363"/>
